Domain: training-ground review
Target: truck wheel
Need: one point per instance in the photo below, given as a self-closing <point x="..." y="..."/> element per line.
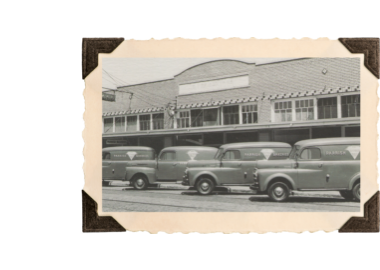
<point x="279" y="192"/>
<point x="356" y="192"/>
<point x="140" y="182"/>
<point x="346" y="194"/>
<point x="205" y="186"/>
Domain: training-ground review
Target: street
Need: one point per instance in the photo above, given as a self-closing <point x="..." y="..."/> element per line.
<point x="120" y="198"/>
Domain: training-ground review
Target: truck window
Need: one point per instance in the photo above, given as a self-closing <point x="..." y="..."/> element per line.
<point x="232" y="155"/>
<point x="311" y="153"/>
<point x="219" y="153"/>
<point x="168" y="156"/>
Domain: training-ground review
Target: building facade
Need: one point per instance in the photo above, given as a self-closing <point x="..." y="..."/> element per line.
<point x="228" y="101"/>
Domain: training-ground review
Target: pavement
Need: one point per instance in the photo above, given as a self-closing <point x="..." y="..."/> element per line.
<point x="231" y="190"/>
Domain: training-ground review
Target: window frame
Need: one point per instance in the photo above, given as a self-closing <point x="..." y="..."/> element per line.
<point x="168" y="151"/>
<point x="230" y="150"/>
<point x="251" y="112"/>
<point x="238" y="113"/>
<point x="341" y="108"/>
<point x="310" y="147"/>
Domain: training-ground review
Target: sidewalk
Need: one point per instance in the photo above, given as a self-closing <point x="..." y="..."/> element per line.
<point x="235" y="189"/>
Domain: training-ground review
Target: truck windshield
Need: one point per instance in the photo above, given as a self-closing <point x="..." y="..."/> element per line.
<point x="219" y="153"/>
<point x="292" y="154"/>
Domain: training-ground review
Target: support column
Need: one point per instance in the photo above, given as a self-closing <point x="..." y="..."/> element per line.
<point x="113" y="125"/>
<point x="339" y="106"/>
<point x="343" y="131"/>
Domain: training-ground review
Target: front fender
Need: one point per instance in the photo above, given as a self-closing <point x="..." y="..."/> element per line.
<point x="195" y="175"/>
<point x="150" y="173"/>
<point x="353" y="179"/>
<point x="266" y="179"/>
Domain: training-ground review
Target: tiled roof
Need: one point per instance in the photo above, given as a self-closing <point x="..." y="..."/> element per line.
<point x="242" y="100"/>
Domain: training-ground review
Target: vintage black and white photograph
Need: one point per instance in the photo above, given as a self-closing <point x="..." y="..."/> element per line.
<point x="231" y="135"/>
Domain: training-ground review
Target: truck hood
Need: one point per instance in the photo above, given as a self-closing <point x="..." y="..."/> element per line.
<point x="264" y="164"/>
<point x="203" y="163"/>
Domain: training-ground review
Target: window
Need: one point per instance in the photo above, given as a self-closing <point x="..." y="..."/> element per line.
<point x="184" y="119"/>
<point x="144" y="122"/>
<point x="168" y="156"/>
<point x="350" y="106"/>
<point x="204" y="117"/>
<point x="311" y="153"/>
<point x="132" y="123"/>
<point x="196" y="118"/>
<point x="211" y="117"/>
<point x="249" y="113"/>
<point x="108" y="125"/>
<point x="231" y="115"/>
<point x="304" y="110"/>
<point x="327" y="108"/>
<point x="283" y="111"/>
<point x="158" y="121"/>
<point x="119" y="124"/>
<point x="106" y="155"/>
<point x="232" y="155"/>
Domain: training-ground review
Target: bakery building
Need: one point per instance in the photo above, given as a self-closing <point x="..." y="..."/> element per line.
<point x="226" y="101"/>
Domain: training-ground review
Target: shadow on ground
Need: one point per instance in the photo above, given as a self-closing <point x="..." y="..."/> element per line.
<point x="299" y="199"/>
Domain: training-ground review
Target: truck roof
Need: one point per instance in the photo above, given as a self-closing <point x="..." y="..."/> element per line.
<point x="205" y="148"/>
<point x="329" y="141"/>
<point x="255" y="144"/>
<point x="126" y="148"/>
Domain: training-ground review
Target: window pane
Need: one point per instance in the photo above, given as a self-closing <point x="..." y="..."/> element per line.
<point x="119" y="124"/>
<point x="310" y="114"/>
<point x="232" y="155"/>
<point x="289" y="115"/>
<point x="167" y="156"/>
<point x="231" y="115"/>
<point x="108" y="125"/>
<point x="298" y="114"/>
<point x="210" y="117"/>
<point x="327" y="108"/>
<point x="315" y="153"/>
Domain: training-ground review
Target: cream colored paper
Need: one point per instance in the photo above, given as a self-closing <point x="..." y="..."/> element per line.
<point x="230" y="222"/>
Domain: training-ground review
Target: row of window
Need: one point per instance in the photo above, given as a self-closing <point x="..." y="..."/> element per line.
<point x="283" y="111"/>
<point x="129" y="123"/>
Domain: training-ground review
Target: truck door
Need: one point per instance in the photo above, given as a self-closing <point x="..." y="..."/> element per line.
<point x="106" y="166"/>
<point x="310" y="169"/>
<point x="231" y="168"/>
<point x="166" y="166"/>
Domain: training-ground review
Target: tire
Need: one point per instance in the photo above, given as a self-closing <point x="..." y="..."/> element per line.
<point x="140" y="182"/>
<point x="279" y="192"/>
<point x="205" y="186"/>
<point x="356" y="192"/>
<point x="348" y="195"/>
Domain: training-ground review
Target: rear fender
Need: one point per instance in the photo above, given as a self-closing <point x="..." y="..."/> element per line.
<point x="353" y="180"/>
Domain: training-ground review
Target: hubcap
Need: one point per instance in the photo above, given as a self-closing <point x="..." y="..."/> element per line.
<point x="205" y="186"/>
<point x="278" y="191"/>
<point x="140" y="182"/>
